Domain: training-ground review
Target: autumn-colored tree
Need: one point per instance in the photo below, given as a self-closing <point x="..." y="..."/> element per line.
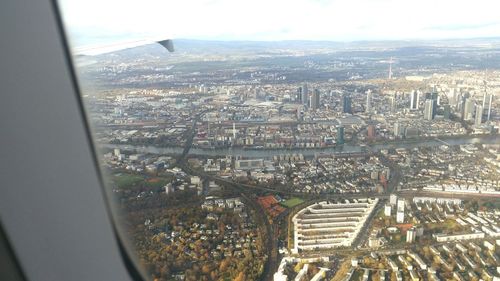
<point x="205" y="269"/>
<point x="240" y="277"/>
<point x="213" y="275"/>
<point x="224" y="265"/>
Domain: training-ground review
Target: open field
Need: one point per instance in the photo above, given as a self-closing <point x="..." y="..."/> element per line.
<point x="292" y="202"/>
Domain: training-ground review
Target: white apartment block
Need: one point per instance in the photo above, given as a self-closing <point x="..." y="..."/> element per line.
<point x="326" y="225"/>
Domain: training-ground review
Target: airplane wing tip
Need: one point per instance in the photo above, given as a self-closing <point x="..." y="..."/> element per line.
<point x="168" y="44"/>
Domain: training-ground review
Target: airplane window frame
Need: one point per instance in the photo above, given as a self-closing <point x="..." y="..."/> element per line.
<point x="128" y="257"/>
<point x="44" y="125"/>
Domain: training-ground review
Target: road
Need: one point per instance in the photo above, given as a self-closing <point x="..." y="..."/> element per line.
<point x="395" y="176"/>
<point x="189" y="140"/>
<point x="363" y="233"/>
<point x="271" y="243"/>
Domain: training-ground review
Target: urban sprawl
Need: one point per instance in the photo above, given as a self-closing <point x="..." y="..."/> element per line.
<point x="303" y="164"/>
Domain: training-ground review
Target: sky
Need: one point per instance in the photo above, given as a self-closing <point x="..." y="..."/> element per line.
<point x="101" y="21"/>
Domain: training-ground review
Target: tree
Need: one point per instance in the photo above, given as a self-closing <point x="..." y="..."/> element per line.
<point x="224" y="265"/>
<point x="240" y="277"/>
<point x="206" y="268"/>
<point x="213" y="275"/>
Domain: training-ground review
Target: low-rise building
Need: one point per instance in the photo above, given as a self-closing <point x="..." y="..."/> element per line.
<point x="458" y="237"/>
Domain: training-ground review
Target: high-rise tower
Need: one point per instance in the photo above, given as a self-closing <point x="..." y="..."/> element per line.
<point x="368" y="101"/>
<point x="489" y="107"/>
<point x="429" y="109"/>
<point x="340" y="135"/>
<point x="479" y="115"/>
<point x="315" y="99"/>
<point x="305" y="95"/>
<point x="414" y="100"/>
<point x="346" y="104"/>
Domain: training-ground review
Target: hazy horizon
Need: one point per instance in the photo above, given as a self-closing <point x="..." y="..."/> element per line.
<point x="314" y="20"/>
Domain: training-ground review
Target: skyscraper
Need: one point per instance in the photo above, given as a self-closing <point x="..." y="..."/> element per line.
<point x="346" y="104"/>
<point x="489" y="107"/>
<point x="414" y="100"/>
<point x="393" y="105"/>
<point x="429" y="109"/>
<point x="299" y="95"/>
<point x="460" y="103"/>
<point x="315" y="99"/>
<point x="468" y="109"/>
<point x="340" y="135"/>
<point x="368" y="101"/>
<point x="479" y="115"/>
<point x="305" y="95"/>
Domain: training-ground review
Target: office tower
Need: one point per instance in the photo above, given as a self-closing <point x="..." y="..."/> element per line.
<point x="298" y="98"/>
<point x="452" y="97"/>
<point x="368" y="101"/>
<point x="346" y="104"/>
<point x="459" y="105"/>
<point x="414" y="99"/>
<point x="340" y="134"/>
<point x="411" y="234"/>
<point x="479" y="115"/>
<point x="393" y="105"/>
<point x="446" y="111"/>
<point x="429" y="109"/>
<point x="387" y="210"/>
<point x="435" y="99"/>
<point x="468" y="109"/>
<point x="305" y="95"/>
<point x="489" y="108"/>
<point x="371" y="131"/>
<point x="315" y="99"/>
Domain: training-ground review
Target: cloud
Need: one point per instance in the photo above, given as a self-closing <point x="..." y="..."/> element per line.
<point x="460" y="27"/>
<point x="338" y="20"/>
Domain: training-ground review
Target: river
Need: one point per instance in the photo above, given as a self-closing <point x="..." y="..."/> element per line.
<point x="346" y="148"/>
